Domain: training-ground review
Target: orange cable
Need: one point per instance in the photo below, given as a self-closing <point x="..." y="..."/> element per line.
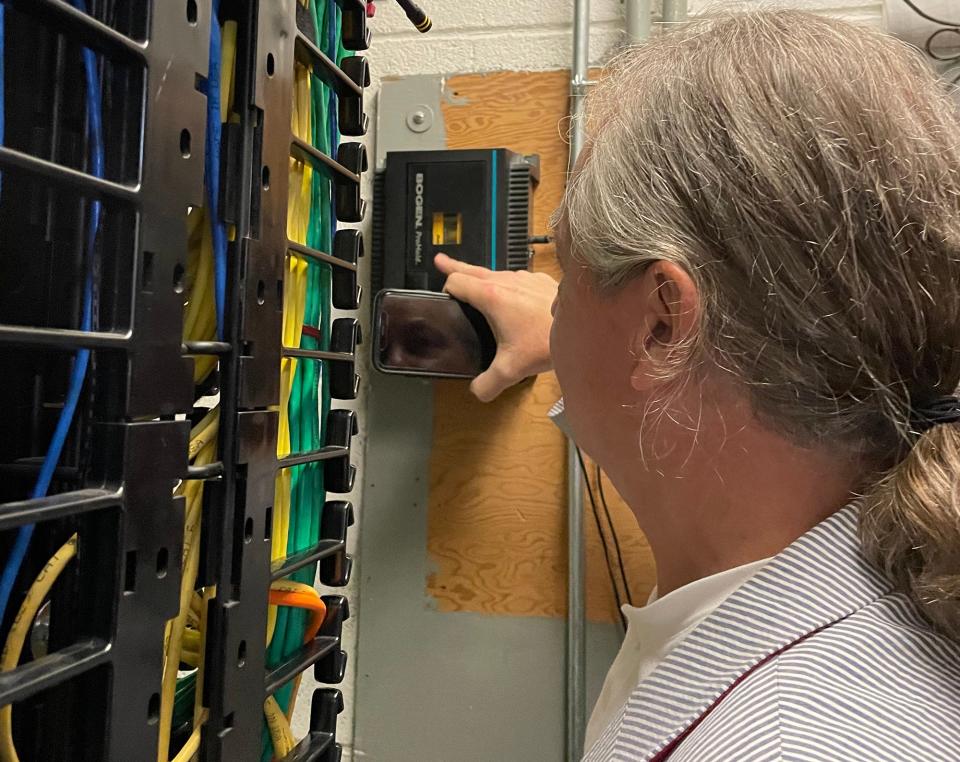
<point x="303" y="601"/>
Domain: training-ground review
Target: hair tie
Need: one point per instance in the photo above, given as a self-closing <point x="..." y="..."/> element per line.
<point x="938" y="411"/>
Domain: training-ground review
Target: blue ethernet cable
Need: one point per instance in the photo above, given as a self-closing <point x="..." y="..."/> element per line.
<point x="212" y="158"/>
<point x="79" y="369"/>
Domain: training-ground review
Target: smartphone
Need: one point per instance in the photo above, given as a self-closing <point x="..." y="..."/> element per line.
<point x="425" y="333"/>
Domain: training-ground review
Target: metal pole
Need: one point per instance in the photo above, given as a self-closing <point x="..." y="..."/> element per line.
<point x="578" y="78"/>
<point x="638" y="20"/>
<point x="674" y="11"/>
<point x="576" y="689"/>
<point x="576" y="610"/>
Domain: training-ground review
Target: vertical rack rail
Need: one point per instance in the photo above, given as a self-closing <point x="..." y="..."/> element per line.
<point x="242" y="520"/>
<point x="90" y="692"/>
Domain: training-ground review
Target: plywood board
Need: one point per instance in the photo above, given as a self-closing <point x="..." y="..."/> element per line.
<point x="497" y="502"/>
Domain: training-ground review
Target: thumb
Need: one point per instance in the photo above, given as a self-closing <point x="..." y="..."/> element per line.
<point x="488" y="385"/>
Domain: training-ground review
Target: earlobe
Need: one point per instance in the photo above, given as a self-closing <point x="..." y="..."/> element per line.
<point x="639" y="380"/>
<point x="640" y="354"/>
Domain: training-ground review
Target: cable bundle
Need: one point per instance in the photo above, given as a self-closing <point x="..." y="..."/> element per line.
<point x="304" y="387"/>
<point x="179" y="647"/>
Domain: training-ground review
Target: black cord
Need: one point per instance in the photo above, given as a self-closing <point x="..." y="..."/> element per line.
<point x="923" y="14"/>
<point x="420" y="20"/>
<point x="613" y="534"/>
<point x="603" y="541"/>
<point x="949" y="28"/>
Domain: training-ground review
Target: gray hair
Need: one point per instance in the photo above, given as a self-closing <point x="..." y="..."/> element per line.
<point x="806" y="174"/>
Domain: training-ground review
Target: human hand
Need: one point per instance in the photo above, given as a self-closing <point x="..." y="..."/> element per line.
<point x="517" y="306"/>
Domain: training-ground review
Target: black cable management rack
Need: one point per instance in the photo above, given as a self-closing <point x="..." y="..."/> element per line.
<point x="94" y="694"/>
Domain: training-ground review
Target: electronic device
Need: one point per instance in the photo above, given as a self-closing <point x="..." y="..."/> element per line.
<point x="475" y="205"/>
<point x="424" y="333"/>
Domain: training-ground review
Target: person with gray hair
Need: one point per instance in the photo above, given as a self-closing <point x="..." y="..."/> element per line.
<point x="757" y="336"/>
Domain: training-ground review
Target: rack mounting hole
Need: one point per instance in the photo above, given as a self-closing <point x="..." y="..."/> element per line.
<point x="178" y="273"/>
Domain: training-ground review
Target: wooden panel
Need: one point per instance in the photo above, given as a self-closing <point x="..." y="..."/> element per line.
<point x="497" y="512"/>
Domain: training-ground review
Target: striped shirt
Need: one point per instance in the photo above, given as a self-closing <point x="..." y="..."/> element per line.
<point x="873" y="681"/>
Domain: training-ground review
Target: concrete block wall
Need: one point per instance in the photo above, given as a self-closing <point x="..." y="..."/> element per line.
<point x="472" y="36"/>
<point x="530" y="35"/>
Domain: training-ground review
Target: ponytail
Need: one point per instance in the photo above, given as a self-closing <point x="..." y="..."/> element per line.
<point x="910" y="526"/>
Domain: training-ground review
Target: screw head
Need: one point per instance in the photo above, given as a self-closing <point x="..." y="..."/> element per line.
<point x="420" y="119"/>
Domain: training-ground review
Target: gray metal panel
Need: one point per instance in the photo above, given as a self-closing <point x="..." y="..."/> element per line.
<point x="409" y="116"/>
<point x="443" y="687"/>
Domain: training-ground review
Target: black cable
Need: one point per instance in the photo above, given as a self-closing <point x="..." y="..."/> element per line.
<point x="603" y="541"/>
<point x="417" y="17"/>
<point x="923" y="14"/>
<point x="935" y="55"/>
<point x="613" y="534"/>
<point x="949" y="28"/>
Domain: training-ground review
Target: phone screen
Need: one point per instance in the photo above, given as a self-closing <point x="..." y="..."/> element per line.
<point x="430" y="334"/>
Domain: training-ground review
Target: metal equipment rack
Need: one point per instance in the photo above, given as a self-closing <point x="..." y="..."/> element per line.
<point x="94" y="695"/>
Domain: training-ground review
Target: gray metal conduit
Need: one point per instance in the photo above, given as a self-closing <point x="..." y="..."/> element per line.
<point x="576" y="661"/>
<point x="674" y="11"/>
<point x="576" y="688"/>
<point x="638" y="20"/>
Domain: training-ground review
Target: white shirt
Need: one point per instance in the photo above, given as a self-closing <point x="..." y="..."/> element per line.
<point x="653" y="631"/>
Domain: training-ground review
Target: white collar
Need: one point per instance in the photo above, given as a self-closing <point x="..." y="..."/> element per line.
<point x="662" y="619"/>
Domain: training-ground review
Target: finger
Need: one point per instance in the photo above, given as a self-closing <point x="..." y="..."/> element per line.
<point x="449" y="265"/>
<point x="488" y="385"/>
<point x="473" y="291"/>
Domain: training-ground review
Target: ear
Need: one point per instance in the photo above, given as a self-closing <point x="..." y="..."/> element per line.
<point x="670" y="306"/>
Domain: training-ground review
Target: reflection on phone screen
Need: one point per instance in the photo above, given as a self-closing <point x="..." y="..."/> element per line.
<point x="429" y="334"/>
